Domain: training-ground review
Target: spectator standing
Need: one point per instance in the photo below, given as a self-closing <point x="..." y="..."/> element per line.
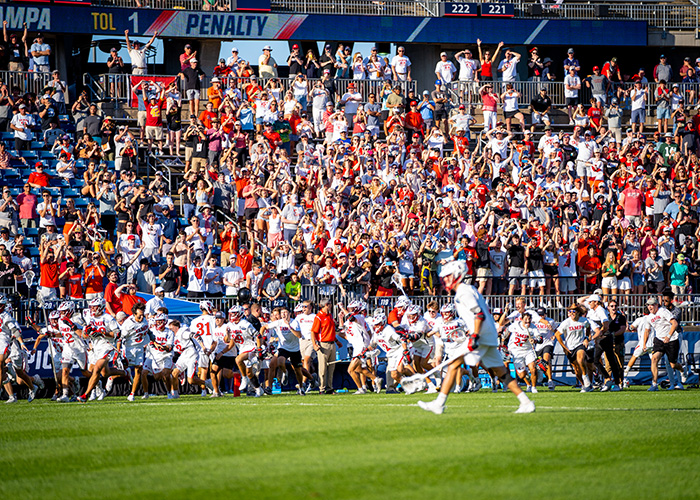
<point x="487" y="61"/>
<point x="192" y="77"/>
<point x="351" y="100"/>
<point x="22" y="124"/>
<point x="509" y="66"/>
<point x="187" y="55"/>
<point x="571" y="63"/>
<point x="662" y="97"/>
<point x="663" y="71"/>
<point x="40" y="52"/>
<point x="27" y="207"/>
<point x="17" y="49"/>
<point x="60" y="90"/>
<point x="401" y="66"/>
<point x="137" y="54"/>
<point x="154" y="121"/>
<point x="468" y="74"/>
<point x="444" y="69"/>
<point x="295" y="61"/>
<point x="323" y="334"/>
<point x="599" y="85"/>
<point x="639" y="97"/>
<point x="572" y="85"/>
<point x="489" y="106"/>
<point x="267" y="66"/>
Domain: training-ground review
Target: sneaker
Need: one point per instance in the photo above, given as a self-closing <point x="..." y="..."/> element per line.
<point x="32" y="395"/>
<point x="204" y="393"/>
<point x="267" y="391"/>
<point x="529" y="389"/>
<point x="145" y="396"/>
<point x="284" y="379"/>
<point x="679" y="387"/>
<point x="606" y="386"/>
<point x="130" y="397"/>
<point x="109" y="384"/>
<point x="171" y="396"/>
<point x="534" y="390"/>
<point x="12" y="399"/>
<point x="526" y="407"/>
<point x="626" y="383"/>
<point x="213" y="395"/>
<point x="432" y="390"/>
<point x="615" y="388"/>
<point x="459" y="386"/>
<point x="38" y="382"/>
<point x="433" y="406"/>
<point x="588" y="388"/>
<point x="81" y="399"/>
<point x="176" y="395"/>
<point x="551" y="385"/>
<point x="684" y="377"/>
<point x="259" y="392"/>
<point x="476" y="386"/>
<point x="210" y="386"/>
<point x="73" y="399"/>
<point x="653" y="388"/>
<point x="244" y="384"/>
<point x="54" y="397"/>
<point x="361" y="390"/>
<point x="101" y="395"/>
<point x="300" y="391"/>
<point x="93" y="395"/>
<point x="306" y="388"/>
<point x="63" y="399"/>
<point x="378" y="385"/>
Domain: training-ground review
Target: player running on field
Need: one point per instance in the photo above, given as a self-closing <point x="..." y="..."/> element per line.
<point x="74" y="348"/>
<point x="359" y="339"/>
<point x="248" y="345"/>
<point x="573" y="334"/>
<point x="223" y="357"/>
<point x="133" y="341"/>
<point x="161" y="350"/>
<point x="545" y="343"/>
<point x="482" y="344"/>
<point x="10" y="335"/>
<point x="388" y="340"/>
<point x="203" y="326"/>
<point x="288" y="334"/>
<point x="188" y="345"/>
<point x="645" y="344"/>
<point x="55" y="341"/>
<point x="520" y="336"/>
<point x="102" y="329"/>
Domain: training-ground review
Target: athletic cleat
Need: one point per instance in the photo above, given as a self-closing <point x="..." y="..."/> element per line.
<point x="526" y="407"/>
<point x="378" y="385"/>
<point x="300" y="391"/>
<point x="615" y="388"/>
<point x="93" y="395"/>
<point x="626" y="383"/>
<point x="534" y="390"/>
<point x="432" y="390"/>
<point x="204" y="393"/>
<point x="63" y="399"/>
<point x="38" y="382"/>
<point x="679" y="387"/>
<point x="145" y="396"/>
<point x="433" y="406"/>
<point x="551" y="385"/>
<point x="31" y="396"/>
<point x="606" y="386"/>
<point x="268" y="391"/>
<point x="81" y="399"/>
<point x="209" y="385"/>
<point x="213" y="395"/>
<point x="588" y="388"/>
<point x="54" y="397"/>
<point x="259" y="392"/>
<point x="244" y="384"/>
<point x="12" y="399"/>
<point x="73" y="399"/>
<point x="653" y="388"/>
<point x="176" y="395"/>
<point x="361" y="390"/>
<point x="130" y="397"/>
<point x="172" y="396"/>
<point x="101" y="395"/>
<point x="284" y="379"/>
<point x="109" y="384"/>
<point x="476" y="386"/>
<point x="528" y="389"/>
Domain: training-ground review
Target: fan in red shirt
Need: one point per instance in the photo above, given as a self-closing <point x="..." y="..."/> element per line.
<point x="51" y="255"/>
<point x="154" y="117"/>
<point x="273" y="138"/>
<point x="39" y="178"/>
<point x="413" y="120"/>
<point x="594" y="113"/>
<point x="461" y="141"/>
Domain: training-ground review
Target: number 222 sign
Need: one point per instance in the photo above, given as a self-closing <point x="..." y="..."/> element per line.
<point x="460" y="9"/>
<point x="456" y="9"/>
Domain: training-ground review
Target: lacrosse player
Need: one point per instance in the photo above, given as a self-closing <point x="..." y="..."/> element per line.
<point x="55" y="341"/>
<point x="100" y="326"/>
<point x="482" y="344"/>
<point x="288" y="333"/>
<point x="75" y="348"/>
<point x="573" y="334"/>
<point x="645" y="344"/>
<point x="203" y="326"/>
<point x="520" y="336"/>
<point x="386" y="338"/>
<point x="305" y="319"/>
<point x="400" y="308"/>
<point x="188" y="345"/>
<point x="132" y="342"/>
<point x="545" y="343"/>
<point x="359" y="339"/>
<point x="10" y="342"/>
<point x="223" y="357"/>
<point x="161" y="348"/>
<point x="248" y="343"/>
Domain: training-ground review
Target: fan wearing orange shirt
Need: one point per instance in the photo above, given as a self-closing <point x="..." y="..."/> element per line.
<point x="215" y="93"/>
<point x="413" y="120"/>
<point x="127" y="294"/>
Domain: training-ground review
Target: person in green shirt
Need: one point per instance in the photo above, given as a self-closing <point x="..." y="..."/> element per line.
<point x="668" y="148"/>
<point x="293" y="288"/>
<point x="679" y="275"/>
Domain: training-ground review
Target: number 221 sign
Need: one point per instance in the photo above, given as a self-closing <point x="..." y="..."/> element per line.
<point x="462" y="9"/>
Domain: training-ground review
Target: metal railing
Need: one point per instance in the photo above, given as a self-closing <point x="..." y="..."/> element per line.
<point x="27" y="81"/>
<point x="219" y="5"/>
<point x="118" y="87"/>
<point x="428" y="8"/>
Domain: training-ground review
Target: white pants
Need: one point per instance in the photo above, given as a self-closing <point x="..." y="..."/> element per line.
<point x="490" y="120"/>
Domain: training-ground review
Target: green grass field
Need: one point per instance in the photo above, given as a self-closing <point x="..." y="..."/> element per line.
<point x="631" y="444"/>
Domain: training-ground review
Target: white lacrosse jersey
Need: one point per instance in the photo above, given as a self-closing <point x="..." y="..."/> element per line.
<point x="574" y="332"/>
<point x="388" y="340"/>
<point x="469" y="302"/>
<point x="519" y="339"/>
<point x="204" y="327"/>
<point x="134" y="333"/>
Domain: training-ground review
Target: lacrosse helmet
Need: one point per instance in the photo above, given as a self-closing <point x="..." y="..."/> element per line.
<point x="207" y="306"/>
<point x="53" y="318"/>
<point x="235" y="314"/>
<point x="97" y="306"/>
<point x="66" y="309"/>
<point x="453" y="273"/>
<point x="160" y="320"/>
<point x="3" y="303"/>
<point x="541" y="311"/>
<point x="403" y="303"/>
<point x="378" y="320"/>
<point x="413" y="314"/>
<point x="354" y="306"/>
<point x="448" y="311"/>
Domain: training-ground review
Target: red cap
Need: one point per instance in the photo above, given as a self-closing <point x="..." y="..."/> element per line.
<point x="595" y="68"/>
<point x="648" y="228"/>
<point x="38" y="164"/>
<point x="295" y="46"/>
<point x="131" y="237"/>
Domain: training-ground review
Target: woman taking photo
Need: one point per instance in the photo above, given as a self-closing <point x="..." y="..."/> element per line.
<point x="609" y="274"/>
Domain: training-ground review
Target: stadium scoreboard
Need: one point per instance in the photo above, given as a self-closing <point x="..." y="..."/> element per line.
<point x="467" y="9"/>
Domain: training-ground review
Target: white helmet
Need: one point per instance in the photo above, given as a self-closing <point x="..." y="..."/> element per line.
<point x="448" y="310"/>
<point x="53" y="317"/>
<point x="97" y="305"/>
<point x="403" y="302"/>
<point x="354" y="306"/>
<point x="378" y="321"/>
<point x="160" y="318"/>
<point x="66" y="308"/>
<point x="297" y="308"/>
<point x="206" y="306"/>
<point x="413" y="313"/>
<point x="235" y="313"/>
<point x="457" y="269"/>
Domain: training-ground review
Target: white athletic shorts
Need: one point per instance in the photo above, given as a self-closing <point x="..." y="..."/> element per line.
<point x="422" y="349"/>
<point x="536" y="278"/>
<point x="521" y="360"/>
<point x="4" y="347"/>
<point x="134" y="355"/>
<point x="77" y="356"/>
<point x="161" y="362"/>
<point x="18" y="358"/>
<point x="187" y="364"/>
<point x="203" y="361"/>
<point x="102" y="350"/>
<point x="640" y="351"/>
<point x="488" y="355"/>
<point x="393" y="360"/>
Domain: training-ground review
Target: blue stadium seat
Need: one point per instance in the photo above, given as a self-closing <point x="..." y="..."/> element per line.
<point x="15" y="191"/>
<point x="71" y="193"/>
<point x="7" y="135"/>
<point x="81" y="202"/>
<point x="37" y="145"/>
<point x="46" y="155"/>
<point x="10" y="173"/>
<point x="78" y="182"/>
<point x="28" y="154"/>
<point x="31" y="231"/>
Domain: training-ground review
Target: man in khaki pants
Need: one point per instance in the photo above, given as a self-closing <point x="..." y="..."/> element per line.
<point x="324" y="340"/>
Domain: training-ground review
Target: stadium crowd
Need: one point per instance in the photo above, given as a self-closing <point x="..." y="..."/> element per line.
<point x="291" y="186"/>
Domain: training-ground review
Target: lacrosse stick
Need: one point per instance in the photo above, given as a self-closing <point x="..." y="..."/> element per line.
<point x="29" y="278"/>
<point x="340" y="361"/>
<point x="396" y="280"/>
<point x="416" y="382"/>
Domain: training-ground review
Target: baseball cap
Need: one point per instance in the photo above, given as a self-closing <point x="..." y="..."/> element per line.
<point x="596" y="68"/>
<point x="295" y="46"/>
<point x="461" y="106"/>
<point x="234" y="49"/>
<point x="570" y="51"/>
<point x="425" y="92"/>
<point x="443" y="54"/>
<point x="267" y="47"/>
<point x="215" y="80"/>
<point x="438" y="82"/>
<point x="594" y="298"/>
<point x="652" y="301"/>
<point x="159" y="289"/>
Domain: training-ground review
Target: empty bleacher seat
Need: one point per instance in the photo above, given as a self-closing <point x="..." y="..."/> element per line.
<point x="46" y="155"/>
<point x="71" y="193"/>
<point x="9" y="173"/>
<point x="37" y="145"/>
<point x="31" y="231"/>
<point x="7" y="135"/>
<point x="28" y="154"/>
